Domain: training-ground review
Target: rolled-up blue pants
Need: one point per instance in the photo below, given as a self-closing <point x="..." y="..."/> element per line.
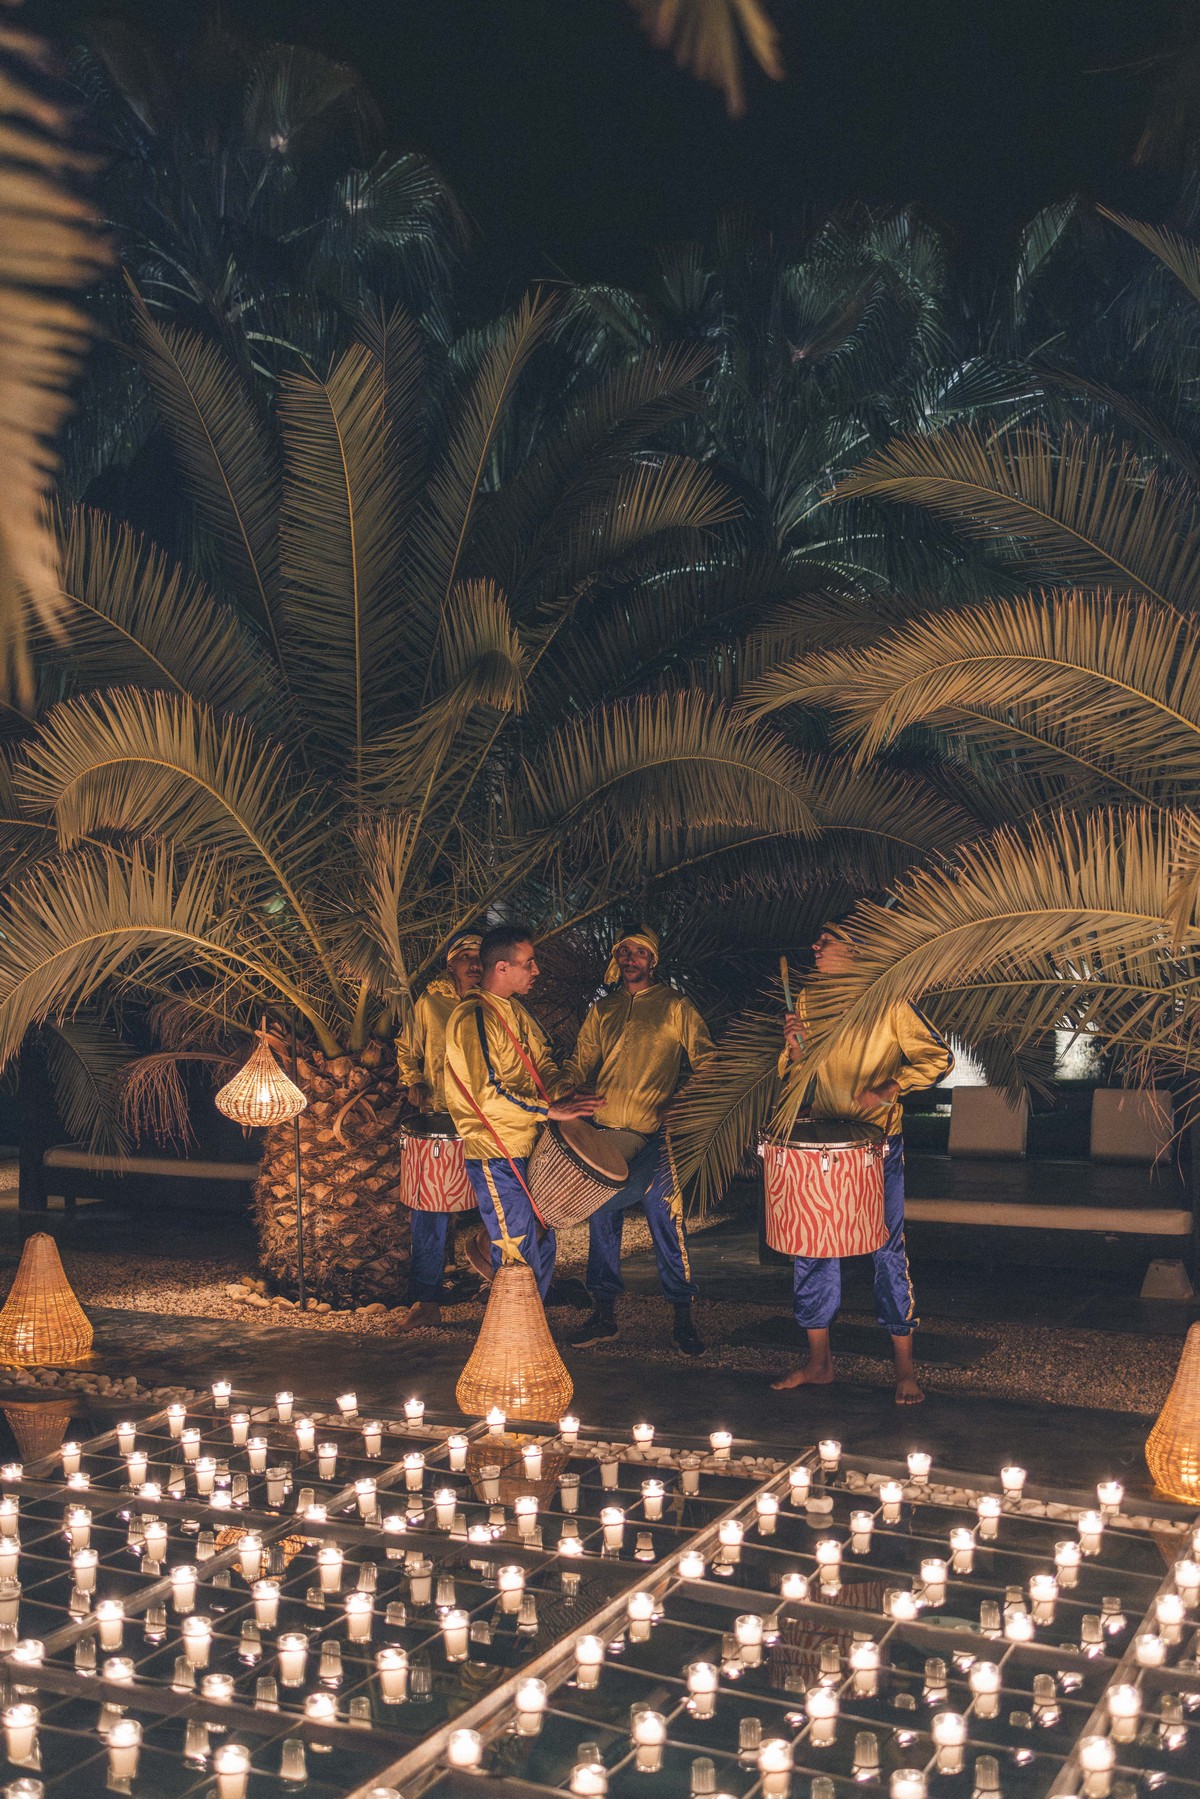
<point x="817" y="1280"/>
<point x="506" y="1211"/>
<point x="428" y="1252"/>
<point x="652" y="1182"/>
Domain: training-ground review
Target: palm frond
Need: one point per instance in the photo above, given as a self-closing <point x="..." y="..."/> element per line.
<point x="49" y="247"/>
<point x="152" y="1100"/>
<point x="87" y="1062"/>
<point x="1087" y="507"/>
<point x="725" y="1108"/>
<point x="1177" y="254"/>
<point x="703" y="35"/>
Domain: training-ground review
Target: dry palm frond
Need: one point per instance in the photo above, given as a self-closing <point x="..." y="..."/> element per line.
<point x="725" y="1107"/>
<point x="1178" y="254"/>
<point x="49" y="247"/>
<point x="1087" y="506"/>
<point x="704" y="37"/>
<point x="153" y="1101"/>
<point x="1111" y="686"/>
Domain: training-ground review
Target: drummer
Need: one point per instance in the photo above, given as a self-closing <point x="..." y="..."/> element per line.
<point x="630" y="1049"/>
<point x="499" y="1072"/>
<point x="864" y="1079"/>
<point x="420" y="1058"/>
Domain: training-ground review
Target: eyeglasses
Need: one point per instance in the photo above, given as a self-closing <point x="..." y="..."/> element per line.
<point x="523" y="962"/>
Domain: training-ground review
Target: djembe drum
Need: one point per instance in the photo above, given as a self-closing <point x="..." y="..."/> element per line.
<point x="824" y="1189"/>
<point x="433" y="1170"/>
<point x="573" y="1170"/>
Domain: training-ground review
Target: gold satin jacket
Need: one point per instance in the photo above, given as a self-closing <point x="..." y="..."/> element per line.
<point x="480" y="1053"/>
<point x="421" y="1047"/>
<point x="903" y="1047"/>
<point x="630" y="1048"/>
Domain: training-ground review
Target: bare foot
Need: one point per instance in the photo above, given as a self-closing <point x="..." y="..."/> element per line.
<point x="810" y="1374"/>
<point x="909" y="1390"/>
<point x="424" y="1313"/>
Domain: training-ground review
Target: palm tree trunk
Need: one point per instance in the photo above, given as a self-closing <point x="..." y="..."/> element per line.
<point x="356" y="1233"/>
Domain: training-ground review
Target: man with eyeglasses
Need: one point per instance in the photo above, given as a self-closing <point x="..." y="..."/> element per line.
<point x="499" y="1070"/>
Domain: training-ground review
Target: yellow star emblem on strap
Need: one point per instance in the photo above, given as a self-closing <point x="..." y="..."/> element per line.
<point x="509" y="1247"/>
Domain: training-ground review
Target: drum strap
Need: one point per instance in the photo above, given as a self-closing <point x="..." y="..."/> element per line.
<point x="522" y="1052"/>
<point x="489" y="1126"/>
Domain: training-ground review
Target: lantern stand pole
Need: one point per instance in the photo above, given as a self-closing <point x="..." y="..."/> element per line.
<point x="303" y="1303"/>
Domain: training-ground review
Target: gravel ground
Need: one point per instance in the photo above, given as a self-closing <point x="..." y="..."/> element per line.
<point x="1121" y="1373"/>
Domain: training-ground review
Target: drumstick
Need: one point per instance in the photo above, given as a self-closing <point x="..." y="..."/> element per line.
<point x="787" y="988"/>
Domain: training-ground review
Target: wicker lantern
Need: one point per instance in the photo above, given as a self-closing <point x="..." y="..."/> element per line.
<point x="1173" y="1446"/>
<point x="39" y="1426"/>
<point x="514" y="1364"/>
<point x="261" y="1094"/>
<point x="42" y="1320"/>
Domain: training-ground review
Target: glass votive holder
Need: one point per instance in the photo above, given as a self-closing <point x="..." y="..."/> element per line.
<point x="794" y="1585"/>
<point x="1012" y="1480"/>
<point x="730" y="1534"/>
<point x="639" y="1608"/>
<point x="183" y="1579"/>
<point x="721" y="1442"/>
<point x="568" y="1430"/>
<point x="456" y="1629"/>
<point x="984" y="1681"/>
<point x="987" y="1510"/>
<point x="962" y="1550"/>
<point x="464" y="1749"/>
<point x="391" y="1668"/>
<point x="891" y="1496"/>
<point x="1067" y="1557"/>
<point x="525" y="1511"/>
<point x="456" y="1449"/>
<point x="496" y="1421"/>
<point x="589" y="1659"/>
<point x="613" y="1520"/>
<point x="830" y="1452"/>
<point x="862" y="1526"/>
<point x="190" y="1443"/>
<point x="196" y="1632"/>
<point x="690" y="1464"/>
<point x="766" y="1507"/>
<point x="774" y="1761"/>
<point x="327" y="1460"/>
<point x="530" y="1701"/>
<point x="21" y="1735"/>
<point x="748" y="1632"/>
<point x="176" y="1419"/>
<point x="1097" y="1758"/>
<point x="653" y="1493"/>
<point x="283" y="1407"/>
<point x="828" y="1553"/>
<point x="649" y="1733"/>
<point x="643" y="1436"/>
<point x="266" y="1603"/>
<point x="1091" y="1532"/>
<point x="949" y="1734"/>
<point x="907" y="1783"/>
<point x="822" y="1706"/>
<point x="1149" y="1650"/>
<point x="864" y="1664"/>
<point x="1043" y="1597"/>
<point x="231" y="1765"/>
<point x="919" y="1465"/>
<point x="1124" y="1703"/>
<point x="1110" y="1493"/>
<point x="702" y="1680"/>
<point x="292" y="1652"/>
<point x="110" y="1621"/>
<point x="691" y="1565"/>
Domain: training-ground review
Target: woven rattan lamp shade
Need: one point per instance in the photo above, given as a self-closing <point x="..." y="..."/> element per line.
<point x="1173" y="1446"/>
<point x="514" y="1363"/>
<point x="39" y="1425"/>
<point x="260" y="1093"/>
<point x="42" y="1320"/>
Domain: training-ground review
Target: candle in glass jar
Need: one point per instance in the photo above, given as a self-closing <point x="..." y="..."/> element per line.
<point x="730" y="1533"/>
<point x="830" y="1452"/>
<point x="891" y="1493"/>
<point x="239" y="1428"/>
<point x="510" y="1584"/>
<point x="176" y="1418"/>
<point x="691" y="1565"/>
<point x="20" y="1734"/>
<point x="283" y="1407"/>
<point x="949" y="1733"/>
<point x="862" y="1525"/>
<point x="206" y="1474"/>
<point x="156" y="1539"/>
<point x="414" y="1471"/>
<point x="689" y="1471"/>
<point x="775" y="1765"/>
<point x="766" y="1505"/>
<point x="531" y="1460"/>
<point x="231" y="1765"/>
<point x="306" y="1435"/>
<point x="613" y="1520"/>
<point x="589" y="1780"/>
<point x="984" y="1680"/>
<point x="464" y="1749"/>
<point x="1018" y="1625"/>
<point x="124" y="1747"/>
<point x="864" y="1661"/>
<point x="365" y="1492"/>
<point x="822" y="1706"/>
<point x="414" y="1411"/>
<point x="907" y="1783"/>
<point x="1110" y="1493"/>
<point x="589" y="1656"/>
<point x="1170" y="1610"/>
<point x="10" y="1557"/>
<point x="1067" y="1557"/>
<point x="183" y="1587"/>
<point x="221" y="1392"/>
<point x="988" y="1512"/>
<point x="292" y="1651"/>
<point x="639" y="1609"/>
<point x="126" y="1438"/>
<point x="391" y="1665"/>
<point x="828" y="1552"/>
<point x="702" y="1686"/>
<point x="919" y="1465"/>
<point x="748" y="1631"/>
<point x="721" y="1442"/>
<point x="1043" y="1597"/>
<point x="1097" y="1757"/>
<point x="531" y="1704"/>
<point x="568" y="1430"/>
<point x="71" y="1455"/>
<point x="197" y="1639"/>
<point x="266" y="1603"/>
<point x="456" y="1627"/>
<point x="1187" y="1580"/>
<point x="326" y="1460"/>
<point x="643" y="1435"/>
<point x="190" y="1442"/>
<point x="1091" y="1529"/>
<point x="962" y="1550"/>
<point x="496" y="1420"/>
<point x="794" y="1585"/>
<point x="1124" y="1704"/>
<point x="84" y="1563"/>
<point x="110" y="1617"/>
<point x="525" y="1510"/>
<point x="653" y="1493"/>
<point x="1012" y="1479"/>
<point x="360" y="1611"/>
<point x="933" y="1579"/>
<point x="457" y="1448"/>
<point x="1149" y="1650"/>
<point x="903" y="1606"/>
<point x="445" y="1502"/>
<point x="256" y="1450"/>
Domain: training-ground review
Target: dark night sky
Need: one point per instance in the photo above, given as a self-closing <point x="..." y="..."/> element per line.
<point x="576" y="146"/>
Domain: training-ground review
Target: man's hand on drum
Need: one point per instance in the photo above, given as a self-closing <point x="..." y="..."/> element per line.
<point x="575" y="1105"/>
<point x="420" y="1096"/>
<point x="793" y="1035"/>
<point x="872" y="1097"/>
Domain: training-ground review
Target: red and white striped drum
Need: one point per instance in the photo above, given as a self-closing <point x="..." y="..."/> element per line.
<point x="433" y="1170"/>
<point x="824" y="1189"/>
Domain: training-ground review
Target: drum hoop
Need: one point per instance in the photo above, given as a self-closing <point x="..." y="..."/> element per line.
<point x="872" y="1143"/>
<point x="578" y="1161"/>
<point x="412" y="1136"/>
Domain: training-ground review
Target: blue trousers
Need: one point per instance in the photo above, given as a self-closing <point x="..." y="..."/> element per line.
<point x="817" y="1280"/>
<point x="425" y="1273"/>
<point x="505" y="1209"/>
<point x="652" y="1182"/>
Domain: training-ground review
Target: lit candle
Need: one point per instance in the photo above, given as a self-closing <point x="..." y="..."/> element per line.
<point x="457" y="1447"/>
<point x="156" y="1539"/>
<point x="464" y="1749"/>
<point x="445" y="1502"/>
<point x="329" y="1567"/>
<point x="126" y="1438"/>
<point x="775" y="1766"/>
<point x="767" y="1508"/>
<point x="231" y="1765"/>
<point x="372" y="1432"/>
<point x="510" y="1584"/>
<point x="891" y="1493"/>
<point x="643" y="1435"/>
<point x="183" y="1587"/>
<point x="568" y="1430"/>
<point x="257" y="1452"/>
<point x="933" y="1577"/>
<point x="1169" y="1609"/>
<point x="347" y="1405"/>
<point x="10" y="1557"/>
<point x="20" y="1735"/>
<point x="71" y="1455"/>
<point x="1187" y="1579"/>
<point x="197" y="1639"/>
<point x="830" y="1452"/>
<point x="489" y="1482"/>
<point x="907" y="1783"/>
<point x="702" y="1686"/>
<point x="283" y="1407"/>
<point x="919" y="1465"/>
<point x="649" y="1735"/>
<point x="292" y="1650"/>
<point x="822" y="1706"/>
<point x="721" y="1442"/>
<point x="176" y="1418"/>
<point x="639" y="1608"/>
<point x="1067" y="1557"/>
<point x="613" y="1520"/>
<point x="456" y="1627"/>
<point x="110" y="1617"/>
<point x="903" y="1606"/>
<point x="691" y="1565"/>
<point x="365" y="1492"/>
<point x="190" y="1441"/>
<point x="748" y="1630"/>
<point x="218" y="1687"/>
<point x="589" y="1656"/>
<point x="1110" y="1493"/>
<point x="221" y="1392"/>
<point x="321" y="1708"/>
<point x="730" y="1533"/>
<point x="1043" y="1596"/>
<point x="360" y="1611"/>
<point x="988" y="1513"/>
<point x="496" y="1420"/>
<point x="862" y="1525"/>
<point x="124" y="1748"/>
<point x="653" y="1493"/>
<point x="266" y="1603"/>
<point x="984" y="1680"/>
<point x="531" y="1704"/>
<point x="794" y="1585"/>
<point x="84" y="1563"/>
<point x="1012" y="1479"/>
<point x="326" y="1460"/>
<point x="689" y="1471"/>
<point x="306" y="1435"/>
<point x="391" y="1665"/>
<point x="206" y="1473"/>
<point x="239" y="1428"/>
<point x="1018" y="1625"/>
<point x="1097" y="1757"/>
<point x="799" y="1481"/>
<point x="414" y="1471"/>
<point x="828" y="1552"/>
<point x="1149" y="1650"/>
<point x="864" y="1660"/>
<point x="949" y="1733"/>
<point x="962" y="1550"/>
<point x="525" y="1510"/>
<point x="610" y="1469"/>
<point x="589" y="1780"/>
<point x="1091" y="1529"/>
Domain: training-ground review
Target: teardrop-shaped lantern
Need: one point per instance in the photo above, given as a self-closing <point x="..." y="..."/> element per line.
<point x="260" y="1094"/>
<point x="1173" y="1446"/>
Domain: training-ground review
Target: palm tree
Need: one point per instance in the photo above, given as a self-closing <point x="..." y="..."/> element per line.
<point x="705" y="36"/>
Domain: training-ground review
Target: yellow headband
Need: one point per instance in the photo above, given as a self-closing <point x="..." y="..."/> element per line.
<point x="647" y="938"/>
<point x="462" y="946"/>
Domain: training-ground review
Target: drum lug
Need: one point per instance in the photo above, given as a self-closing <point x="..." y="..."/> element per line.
<point x="436" y="1149"/>
<point x="824" y="1162"/>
